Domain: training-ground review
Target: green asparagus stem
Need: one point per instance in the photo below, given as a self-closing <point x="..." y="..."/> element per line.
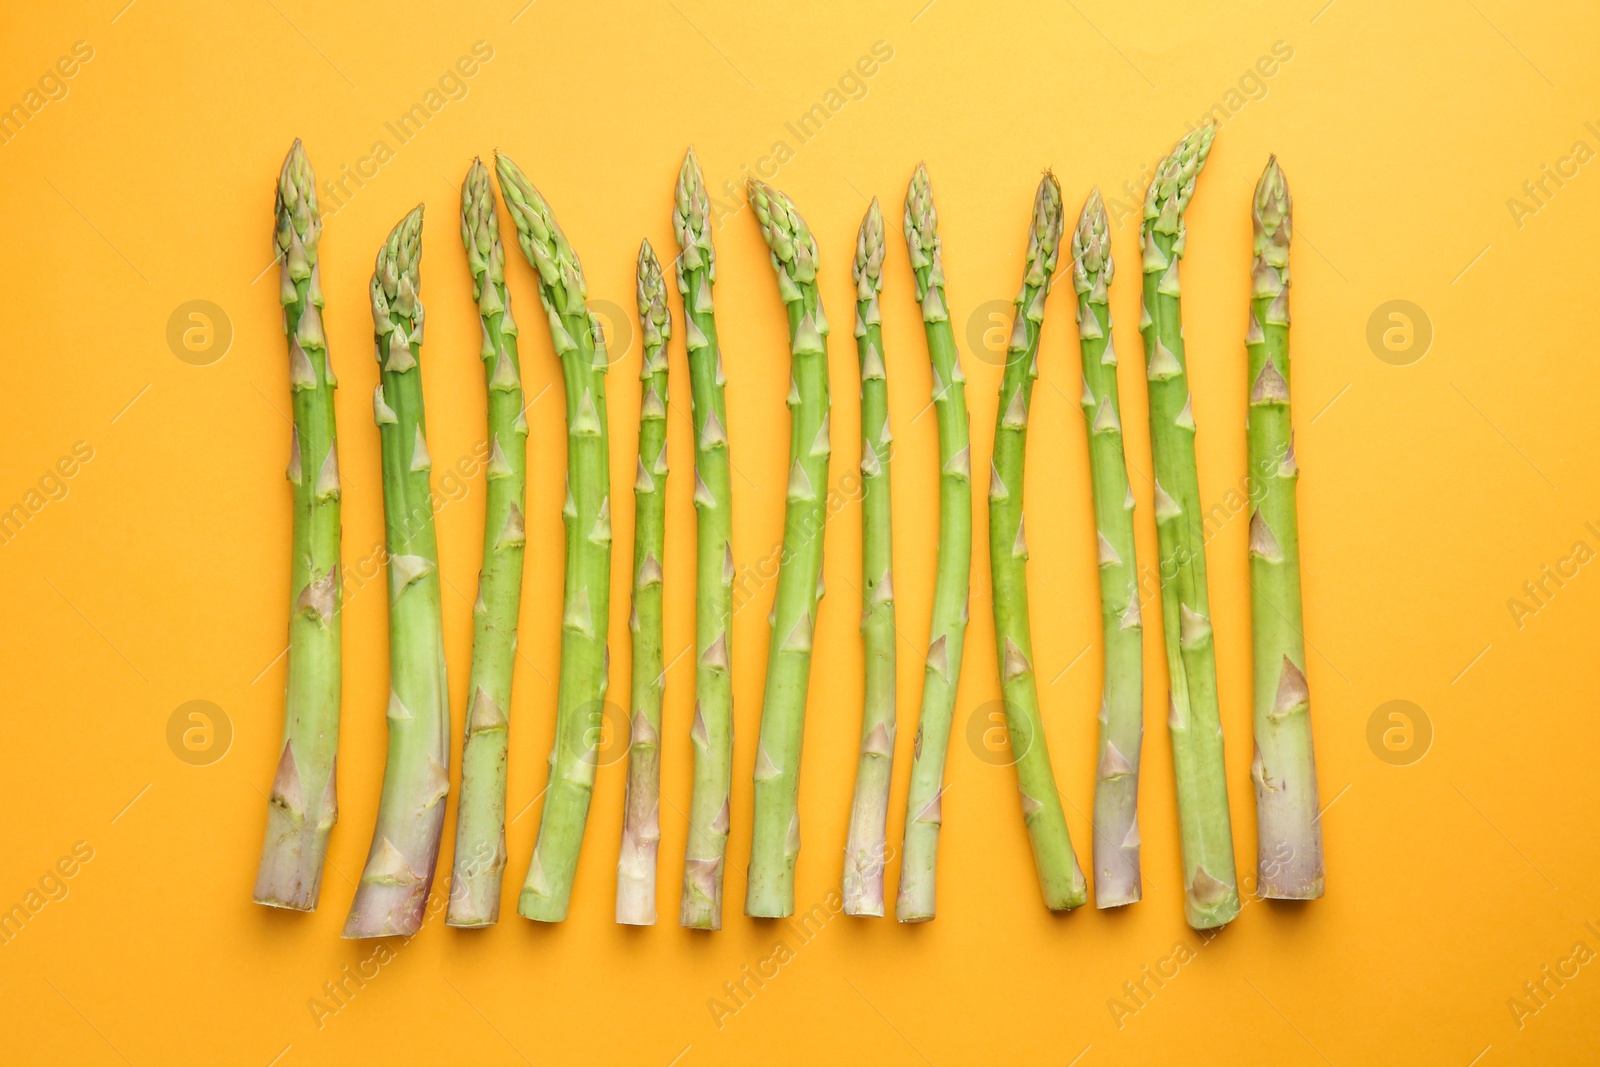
<point x="775" y="843"/>
<point x="1060" y="878"/>
<point x="1289" y="834"/>
<point x="405" y="843"/>
<point x="920" y="855"/>
<point x="866" y="847"/>
<point x="480" y="853"/>
<point x="1116" y="790"/>
<point x="302" y="808"/>
<point x="712" y="732"/>
<point x="641" y="819"/>
<point x="580" y="697"/>
<point x="1211" y="895"/>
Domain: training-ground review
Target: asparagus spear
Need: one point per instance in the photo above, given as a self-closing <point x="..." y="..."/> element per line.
<point x="302" y="808"/>
<point x="580" y="697"/>
<point x="775" y="843"/>
<point x="641" y="820"/>
<point x="405" y="842"/>
<point x="1060" y="879"/>
<point x="949" y="627"/>
<point x="712" y="732"/>
<point x="1211" y="895"/>
<point x="866" y="846"/>
<point x="480" y="852"/>
<point x="1116" y="790"/>
<point x="1284" y="770"/>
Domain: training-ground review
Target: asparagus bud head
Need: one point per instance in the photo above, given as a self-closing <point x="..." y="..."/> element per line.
<point x="691" y="221"/>
<point x="653" y="314"/>
<point x="867" y="270"/>
<point x="1092" y="269"/>
<point x="541" y="238"/>
<point x="1044" y="237"/>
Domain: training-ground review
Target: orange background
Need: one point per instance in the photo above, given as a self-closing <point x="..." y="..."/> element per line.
<point x="1431" y="491"/>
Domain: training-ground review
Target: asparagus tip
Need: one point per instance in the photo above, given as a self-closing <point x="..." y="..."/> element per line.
<point x="396" y="277"/>
<point x="1173" y="186"/>
<point x="691" y="211"/>
<point x="1044" y="236"/>
<point x="691" y="180"/>
<point x="868" y="265"/>
<point x="653" y="313"/>
<point x="1091" y="245"/>
<point x="297" y="198"/>
<point x="514" y="184"/>
<point x="542" y="241"/>
<point x="1272" y="204"/>
<point x="480" y="230"/>
<point x="691" y="191"/>
<point x="476" y="187"/>
<point x="922" y="218"/>
<point x="403" y="248"/>
<point x="922" y="233"/>
<point x="296" y="164"/>
<point x="786" y="233"/>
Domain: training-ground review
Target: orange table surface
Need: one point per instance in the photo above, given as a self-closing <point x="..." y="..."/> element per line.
<point x="1440" y="155"/>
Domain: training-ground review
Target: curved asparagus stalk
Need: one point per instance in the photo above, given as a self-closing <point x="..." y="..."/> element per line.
<point x="866" y="847"/>
<point x="302" y="808"/>
<point x="1116" y="790"/>
<point x="1060" y="878"/>
<point x="920" y="854"/>
<point x="1211" y="894"/>
<point x="480" y="852"/>
<point x="580" y="696"/>
<point x="1289" y="834"/>
<point x="641" y="819"/>
<point x="775" y="843"/>
<point x="712" y="732"/>
<point x="405" y="843"/>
